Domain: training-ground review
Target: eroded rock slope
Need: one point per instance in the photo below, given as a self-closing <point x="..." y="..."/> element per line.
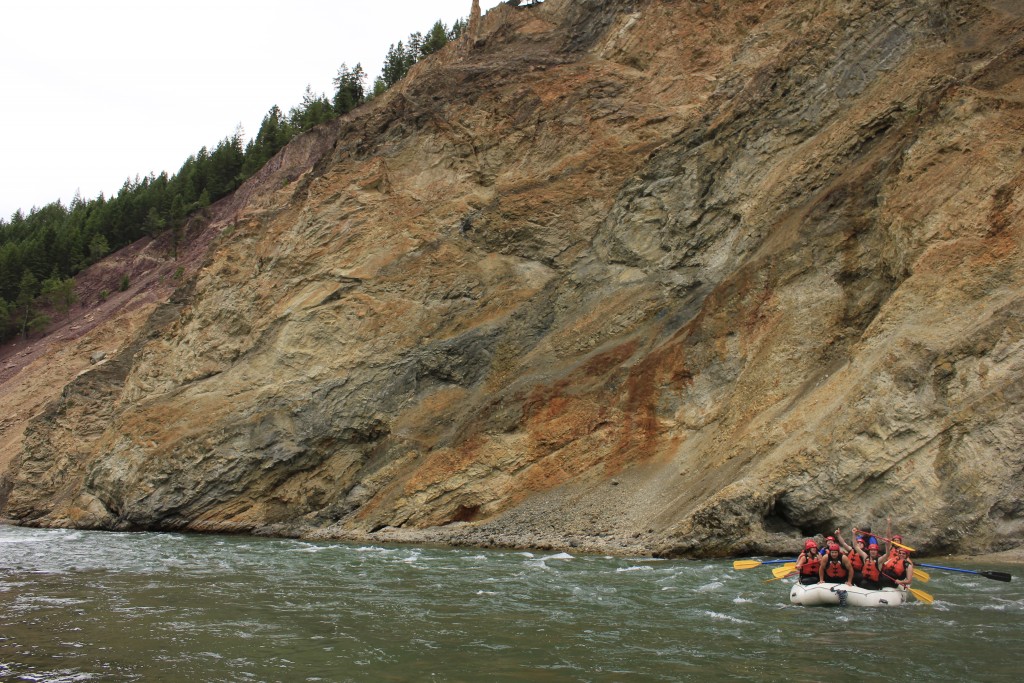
<point x="625" y="275"/>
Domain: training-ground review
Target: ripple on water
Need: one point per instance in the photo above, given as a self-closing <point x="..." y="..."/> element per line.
<point x="725" y="617"/>
<point x="707" y="587"/>
<point x="559" y="556"/>
<point x="309" y="548"/>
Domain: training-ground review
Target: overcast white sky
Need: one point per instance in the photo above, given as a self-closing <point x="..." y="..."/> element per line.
<point x="97" y="91"/>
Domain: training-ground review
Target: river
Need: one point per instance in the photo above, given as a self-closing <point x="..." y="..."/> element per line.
<point x="95" y="606"/>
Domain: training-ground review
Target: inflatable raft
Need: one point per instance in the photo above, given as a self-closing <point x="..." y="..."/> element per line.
<point x="818" y="594"/>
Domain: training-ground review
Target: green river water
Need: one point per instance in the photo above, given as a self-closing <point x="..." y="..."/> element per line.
<point x="93" y="606"/>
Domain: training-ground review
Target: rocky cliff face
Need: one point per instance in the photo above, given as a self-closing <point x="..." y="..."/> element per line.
<point x="625" y="275"/>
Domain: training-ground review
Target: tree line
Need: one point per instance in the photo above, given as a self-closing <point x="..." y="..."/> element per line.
<point x="41" y="251"/>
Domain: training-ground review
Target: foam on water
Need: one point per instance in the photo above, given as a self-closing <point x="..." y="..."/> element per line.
<point x="713" y="586"/>
<point x="310" y="548"/>
<point x="725" y="617"/>
<point x="559" y="556"/>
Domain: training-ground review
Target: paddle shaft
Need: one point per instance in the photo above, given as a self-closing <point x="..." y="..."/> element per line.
<point x="996" y="576"/>
<point x="917" y="593"/>
<point x="887" y="540"/>
<point x="753" y="564"/>
<point x="894" y="579"/>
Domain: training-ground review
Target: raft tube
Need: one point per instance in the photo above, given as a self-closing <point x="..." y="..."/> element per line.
<point x="818" y="594"/>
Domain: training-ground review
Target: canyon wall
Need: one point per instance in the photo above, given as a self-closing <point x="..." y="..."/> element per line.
<point x="631" y="276"/>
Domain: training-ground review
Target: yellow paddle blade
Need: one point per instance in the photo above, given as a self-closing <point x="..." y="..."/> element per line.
<point x="783" y="570"/>
<point x="746" y="564"/>
<point x="791" y="572"/>
<point x="921" y="575"/>
<point x="922" y="596"/>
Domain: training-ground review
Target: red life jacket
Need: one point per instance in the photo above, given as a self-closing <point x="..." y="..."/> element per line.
<point x="856" y="560"/>
<point x="835" y="570"/>
<point x="895" y="567"/>
<point x="810" y="565"/>
<point x="870" y="570"/>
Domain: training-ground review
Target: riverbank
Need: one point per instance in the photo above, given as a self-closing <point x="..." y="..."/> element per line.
<point x="1013" y="556"/>
<point x="460" y="536"/>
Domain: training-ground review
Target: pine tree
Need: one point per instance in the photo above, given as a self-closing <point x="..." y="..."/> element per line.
<point x="436" y="39"/>
<point x="412" y="49"/>
<point x="458" y="28"/>
<point x="10" y="270"/>
<point x="309" y="112"/>
<point x="396" y="65"/>
<point x="349" y="88"/>
<point x="29" y="317"/>
<point x="98" y="247"/>
<point x="60" y="292"/>
<point x="177" y="221"/>
<point x="5" y="318"/>
<point x="155" y="222"/>
<point x="226" y="166"/>
<point x="274" y="133"/>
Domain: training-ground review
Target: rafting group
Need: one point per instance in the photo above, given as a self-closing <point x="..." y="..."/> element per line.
<point x="831" y="572"/>
<point x="862" y="564"/>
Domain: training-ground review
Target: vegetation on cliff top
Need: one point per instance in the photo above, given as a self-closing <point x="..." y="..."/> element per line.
<point x="41" y="252"/>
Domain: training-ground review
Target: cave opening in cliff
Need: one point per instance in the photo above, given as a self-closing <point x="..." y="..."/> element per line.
<point x="780" y="518"/>
<point x="465" y="513"/>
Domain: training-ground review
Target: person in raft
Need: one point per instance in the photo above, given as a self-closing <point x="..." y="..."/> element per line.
<point x="835" y="567"/>
<point x="856" y="553"/>
<point x="808" y="563"/>
<point x="866" y="534"/>
<point x="825" y="544"/>
<point x="896" y="567"/>
<point x="870" y="574"/>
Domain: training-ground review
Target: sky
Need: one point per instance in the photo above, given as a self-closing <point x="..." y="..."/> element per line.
<point x="94" y="92"/>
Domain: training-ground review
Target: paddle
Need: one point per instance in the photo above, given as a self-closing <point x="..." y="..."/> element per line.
<point x="750" y="564"/>
<point x="898" y="545"/>
<point x="921" y="575"/>
<point x="784" y="570"/>
<point x="996" y="576"/>
<point x="791" y="572"/>
<point x="919" y="594"/>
